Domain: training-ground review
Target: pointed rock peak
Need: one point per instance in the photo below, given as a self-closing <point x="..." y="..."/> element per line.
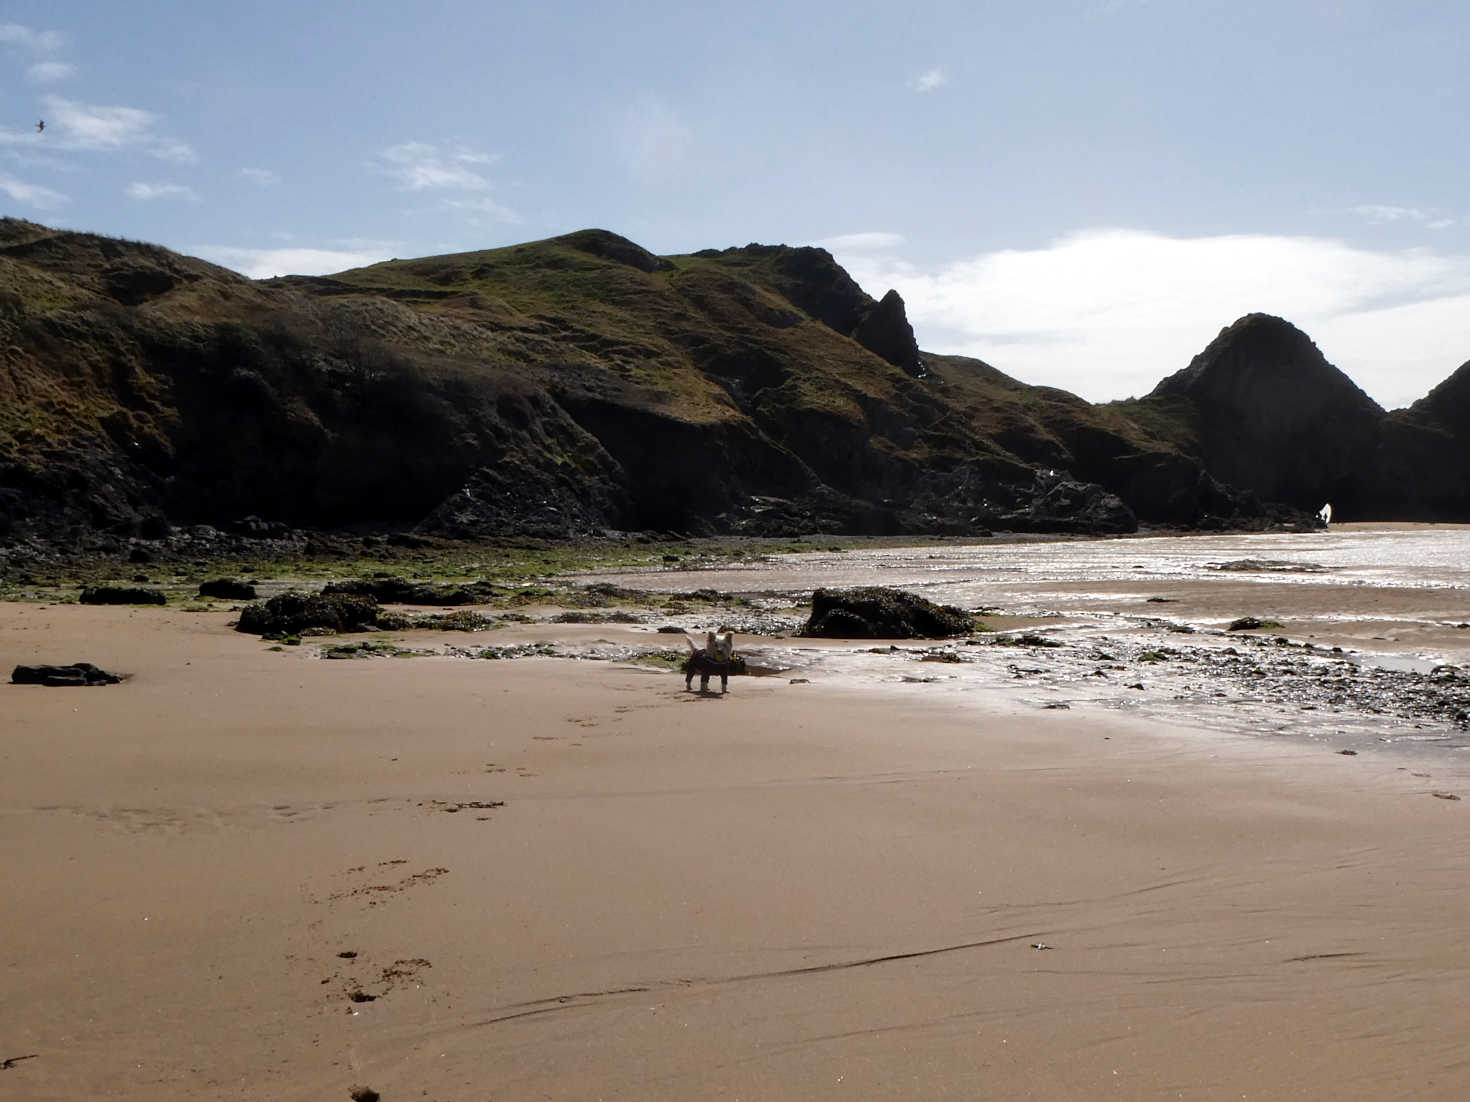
<point x="885" y="331"/>
<point x="609" y="246"/>
<point x="1261" y="358"/>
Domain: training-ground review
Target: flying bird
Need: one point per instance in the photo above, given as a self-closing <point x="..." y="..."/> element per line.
<point x="40" y="125"/>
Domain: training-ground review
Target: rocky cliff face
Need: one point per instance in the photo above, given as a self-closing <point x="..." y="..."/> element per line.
<point x="563" y="387"/>
<point x="1270" y="414"/>
<point x="556" y="388"/>
<point x="1422" y="468"/>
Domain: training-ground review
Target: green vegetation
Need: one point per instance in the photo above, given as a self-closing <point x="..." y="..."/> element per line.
<point x="1024" y="639"/>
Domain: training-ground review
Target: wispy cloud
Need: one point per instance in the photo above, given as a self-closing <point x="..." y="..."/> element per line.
<point x="491" y="209"/>
<point x="48" y="72"/>
<point x="264" y="263"/>
<point x="42" y="198"/>
<point x="419" y="166"/>
<point x="1383" y="213"/>
<point x="112" y="129"/>
<point x="261" y="177"/>
<point x="935" y="77"/>
<point x="1107" y="314"/>
<point x="150" y="192"/>
<point x="39" y="42"/>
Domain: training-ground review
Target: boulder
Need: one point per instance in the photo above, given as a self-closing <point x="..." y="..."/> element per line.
<point x="876" y="612"/>
<point x="78" y="673"/>
<point x="293" y="612"/>
<point x="121" y="595"/>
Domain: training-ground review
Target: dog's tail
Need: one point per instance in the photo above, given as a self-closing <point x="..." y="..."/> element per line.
<point x="692" y="648"/>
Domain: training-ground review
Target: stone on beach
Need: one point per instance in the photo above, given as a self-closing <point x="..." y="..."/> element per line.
<point x="876" y="612"/>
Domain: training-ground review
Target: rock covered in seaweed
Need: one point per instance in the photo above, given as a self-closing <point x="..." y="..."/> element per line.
<point x="876" y="612"/>
<point x="402" y="591"/>
<point x="293" y="612"/>
<point x="121" y="595"/>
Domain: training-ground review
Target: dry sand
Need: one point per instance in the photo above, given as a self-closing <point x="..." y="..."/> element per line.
<point x="820" y="890"/>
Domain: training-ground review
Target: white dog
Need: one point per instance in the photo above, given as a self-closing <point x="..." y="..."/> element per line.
<point x="714" y="658"/>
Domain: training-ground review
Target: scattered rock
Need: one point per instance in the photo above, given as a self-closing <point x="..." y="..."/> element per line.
<point x="121" y="595"/>
<point x="876" y="612"/>
<point x="1444" y="796"/>
<point x="364" y="1094"/>
<point x="294" y="611"/>
<point x="402" y="591"/>
<point x="78" y="673"/>
<point x="1251" y="623"/>
<point x="227" y="589"/>
<point x="1268" y="566"/>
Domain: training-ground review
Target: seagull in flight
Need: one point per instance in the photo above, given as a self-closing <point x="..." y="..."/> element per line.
<point x="40" y="125"/>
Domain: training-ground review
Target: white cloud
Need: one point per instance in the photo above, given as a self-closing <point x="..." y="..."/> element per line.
<point x="42" y="198"/>
<point x="264" y="263"/>
<point x="934" y="77"/>
<point x="47" y="72"/>
<point x="873" y="241"/>
<point x="41" y="42"/>
<point x="654" y="141"/>
<point x="1107" y="314"/>
<point x="147" y="192"/>
<point x="261" y="177"/>
<point x="112" y="129"/>
<point x="419" y="166"/>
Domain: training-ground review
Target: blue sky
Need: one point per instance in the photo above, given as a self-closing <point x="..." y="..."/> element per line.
<point x="1081" y="192"/>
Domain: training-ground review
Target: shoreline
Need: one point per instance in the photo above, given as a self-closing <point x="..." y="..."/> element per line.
<point x="571" y="878"/>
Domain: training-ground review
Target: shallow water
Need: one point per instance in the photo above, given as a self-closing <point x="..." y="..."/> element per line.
<point x="1400" y="556"/>
<point x="1390" y="599"/>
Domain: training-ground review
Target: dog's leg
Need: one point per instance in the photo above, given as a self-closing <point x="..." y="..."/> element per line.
<point x="724" y="683"/>
<point x="704" y="682"/>
<point x="689" y="681"/>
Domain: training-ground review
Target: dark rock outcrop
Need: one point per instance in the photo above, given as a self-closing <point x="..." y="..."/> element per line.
<point x="1272" y="416"/>
<point x="402" y="591"/>
<point x="876" y="612"/>
<point x="121" y="595"/>
<point x="227" y="589"/>
<point x="1422" y="468"/>
<point x="885" y="331"/>
<point x="76" y="674"/>
<point x="293" y="612"/>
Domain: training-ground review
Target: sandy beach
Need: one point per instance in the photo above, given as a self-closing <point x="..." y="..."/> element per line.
<point x="253" y="874"/>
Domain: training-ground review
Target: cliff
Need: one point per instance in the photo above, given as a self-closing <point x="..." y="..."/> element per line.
<point x="578" y="384"/>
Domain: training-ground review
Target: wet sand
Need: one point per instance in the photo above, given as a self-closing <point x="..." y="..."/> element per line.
<point x="845" y="888"/>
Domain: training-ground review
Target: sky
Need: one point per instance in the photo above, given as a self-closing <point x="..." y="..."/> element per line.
<point x="1082" y="193"/>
